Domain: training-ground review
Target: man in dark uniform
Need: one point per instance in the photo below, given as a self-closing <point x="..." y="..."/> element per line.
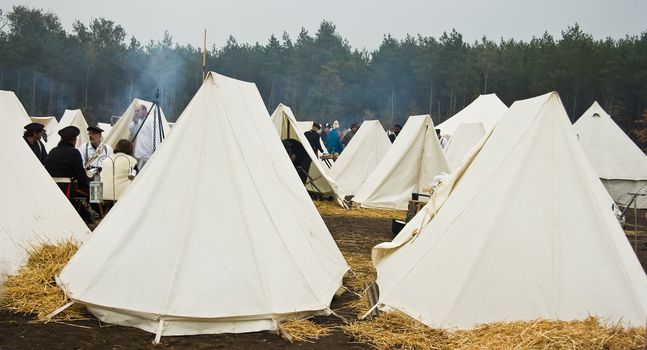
<point x="33" y="135"/>
<point x="314" y="138"/>
<point x="299" y="157"/>
<point x="65" y="165"/>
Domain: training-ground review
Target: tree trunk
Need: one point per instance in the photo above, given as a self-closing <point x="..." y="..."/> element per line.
<point x="269" y="100"/>
<point x="431" y="95"/>
<point x="33" y="97"/>
<point x="87" y="78"/>
<point x="19" y="83"/>
<point x="485" y="76"/>
<point x="105" y="96"/>
<point x="51" y="98"/>
<point x="392" y="105"/>
<point x="130" y="94"/>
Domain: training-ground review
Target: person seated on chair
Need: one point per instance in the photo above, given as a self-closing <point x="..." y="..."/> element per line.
<point x="299" y="157"/>
<point x="118" y="171"/>
<point x="33" y="134"/>
<point x="65" y="165"/>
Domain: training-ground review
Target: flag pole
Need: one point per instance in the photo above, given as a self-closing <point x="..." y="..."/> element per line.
<point x="204" y="57"/>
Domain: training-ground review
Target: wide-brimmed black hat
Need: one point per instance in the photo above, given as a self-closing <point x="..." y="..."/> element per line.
<point x="95" y="129"/>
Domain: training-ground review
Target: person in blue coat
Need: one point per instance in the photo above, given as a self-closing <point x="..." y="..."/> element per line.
<point x="334" y="139"/>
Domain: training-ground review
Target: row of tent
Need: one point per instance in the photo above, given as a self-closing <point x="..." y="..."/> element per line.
<point x="522" y="229"/>
<point x="376" y="174"/>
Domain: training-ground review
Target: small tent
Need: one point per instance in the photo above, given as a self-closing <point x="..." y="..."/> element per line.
<point x="151" y="132"/>
<point x="486" y="109"/>
<point x="619" y="163"/>
<point x="12" y="110"/>
<point x="529" y="233"/>
<point x="70" y="118"/>
<point x="410" y="165"/>
<point x="106" y="127"/>
<point x="238" y="247"/>
<point x="319" y="180"/>
<point x="466" y="136"/>
<point x="33" y="210"/>
<point x="362" y="155"/>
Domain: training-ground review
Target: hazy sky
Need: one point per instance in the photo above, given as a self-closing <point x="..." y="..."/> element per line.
<point x="363" y="23"/>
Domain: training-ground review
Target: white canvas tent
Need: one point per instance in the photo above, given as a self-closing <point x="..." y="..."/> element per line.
<point x="12" y="110"/>
<point x="410" y="165"/>
<point x="50" y="123"/>
<point x="486" y="109"/>
<point x="528" y="233"/>
<point x="619" y="163"/>
<point x="106" y="127"/>
<point x="33" y="210"/>
<point x="70" y="118"/>
<point x="288" y="128"/>
<point x="466" y="136"/>
<point x="362" y="155"/>
<point x="150" y="132"/>
<point x="237" y="248"/>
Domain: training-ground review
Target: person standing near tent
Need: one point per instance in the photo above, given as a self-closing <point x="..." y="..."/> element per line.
<point x="65" y="166"/>
<point x="349" y="134"/>
<point x="315" y="139"/>
<point x="394" y="133"/>
<point x="141" y="135"/>
<point x="324" y="134"/>
<point x="93" y="152"/>
<point x="334" y="138"/>
<point x="33" y="135"/>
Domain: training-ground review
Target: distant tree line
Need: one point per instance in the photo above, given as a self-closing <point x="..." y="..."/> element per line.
<point x="99" y="69"/>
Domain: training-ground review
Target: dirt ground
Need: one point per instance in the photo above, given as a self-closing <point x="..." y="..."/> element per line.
<point x="353" y="233"/>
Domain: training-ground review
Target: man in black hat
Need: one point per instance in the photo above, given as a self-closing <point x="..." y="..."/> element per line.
<point x="93" y="153"/>
<point x="65" y="165"/>
<point x="33" y="134"/>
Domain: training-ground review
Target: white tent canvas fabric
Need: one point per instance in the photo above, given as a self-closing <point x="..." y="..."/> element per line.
<point x="360" y="158"/>
<point x="620" y="164"/>
<point x="466" y="136"/>
<point x="409" y="166"/>
<point x="13" y="111"/>
<point x="50" y="123"/>
<point x="288" y="128"/>
<point x="73" y="117"/>
<point x="106" y="127"/>
<point x="486" y="109"/>
<point x="237" y="248"/>
<point x="33" y="210"/>
<point x="149" y="134"/>
<point x="528" y="233"/>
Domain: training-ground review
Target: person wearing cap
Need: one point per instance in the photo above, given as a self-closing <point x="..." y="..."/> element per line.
<point x="315" y="139"/>
<point x="65" y="165"/>
<point x="93" y="152"/>
<point x="33" y="134"/>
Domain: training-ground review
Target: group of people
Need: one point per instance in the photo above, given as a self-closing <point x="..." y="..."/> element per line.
<point x="73" y="168"/>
